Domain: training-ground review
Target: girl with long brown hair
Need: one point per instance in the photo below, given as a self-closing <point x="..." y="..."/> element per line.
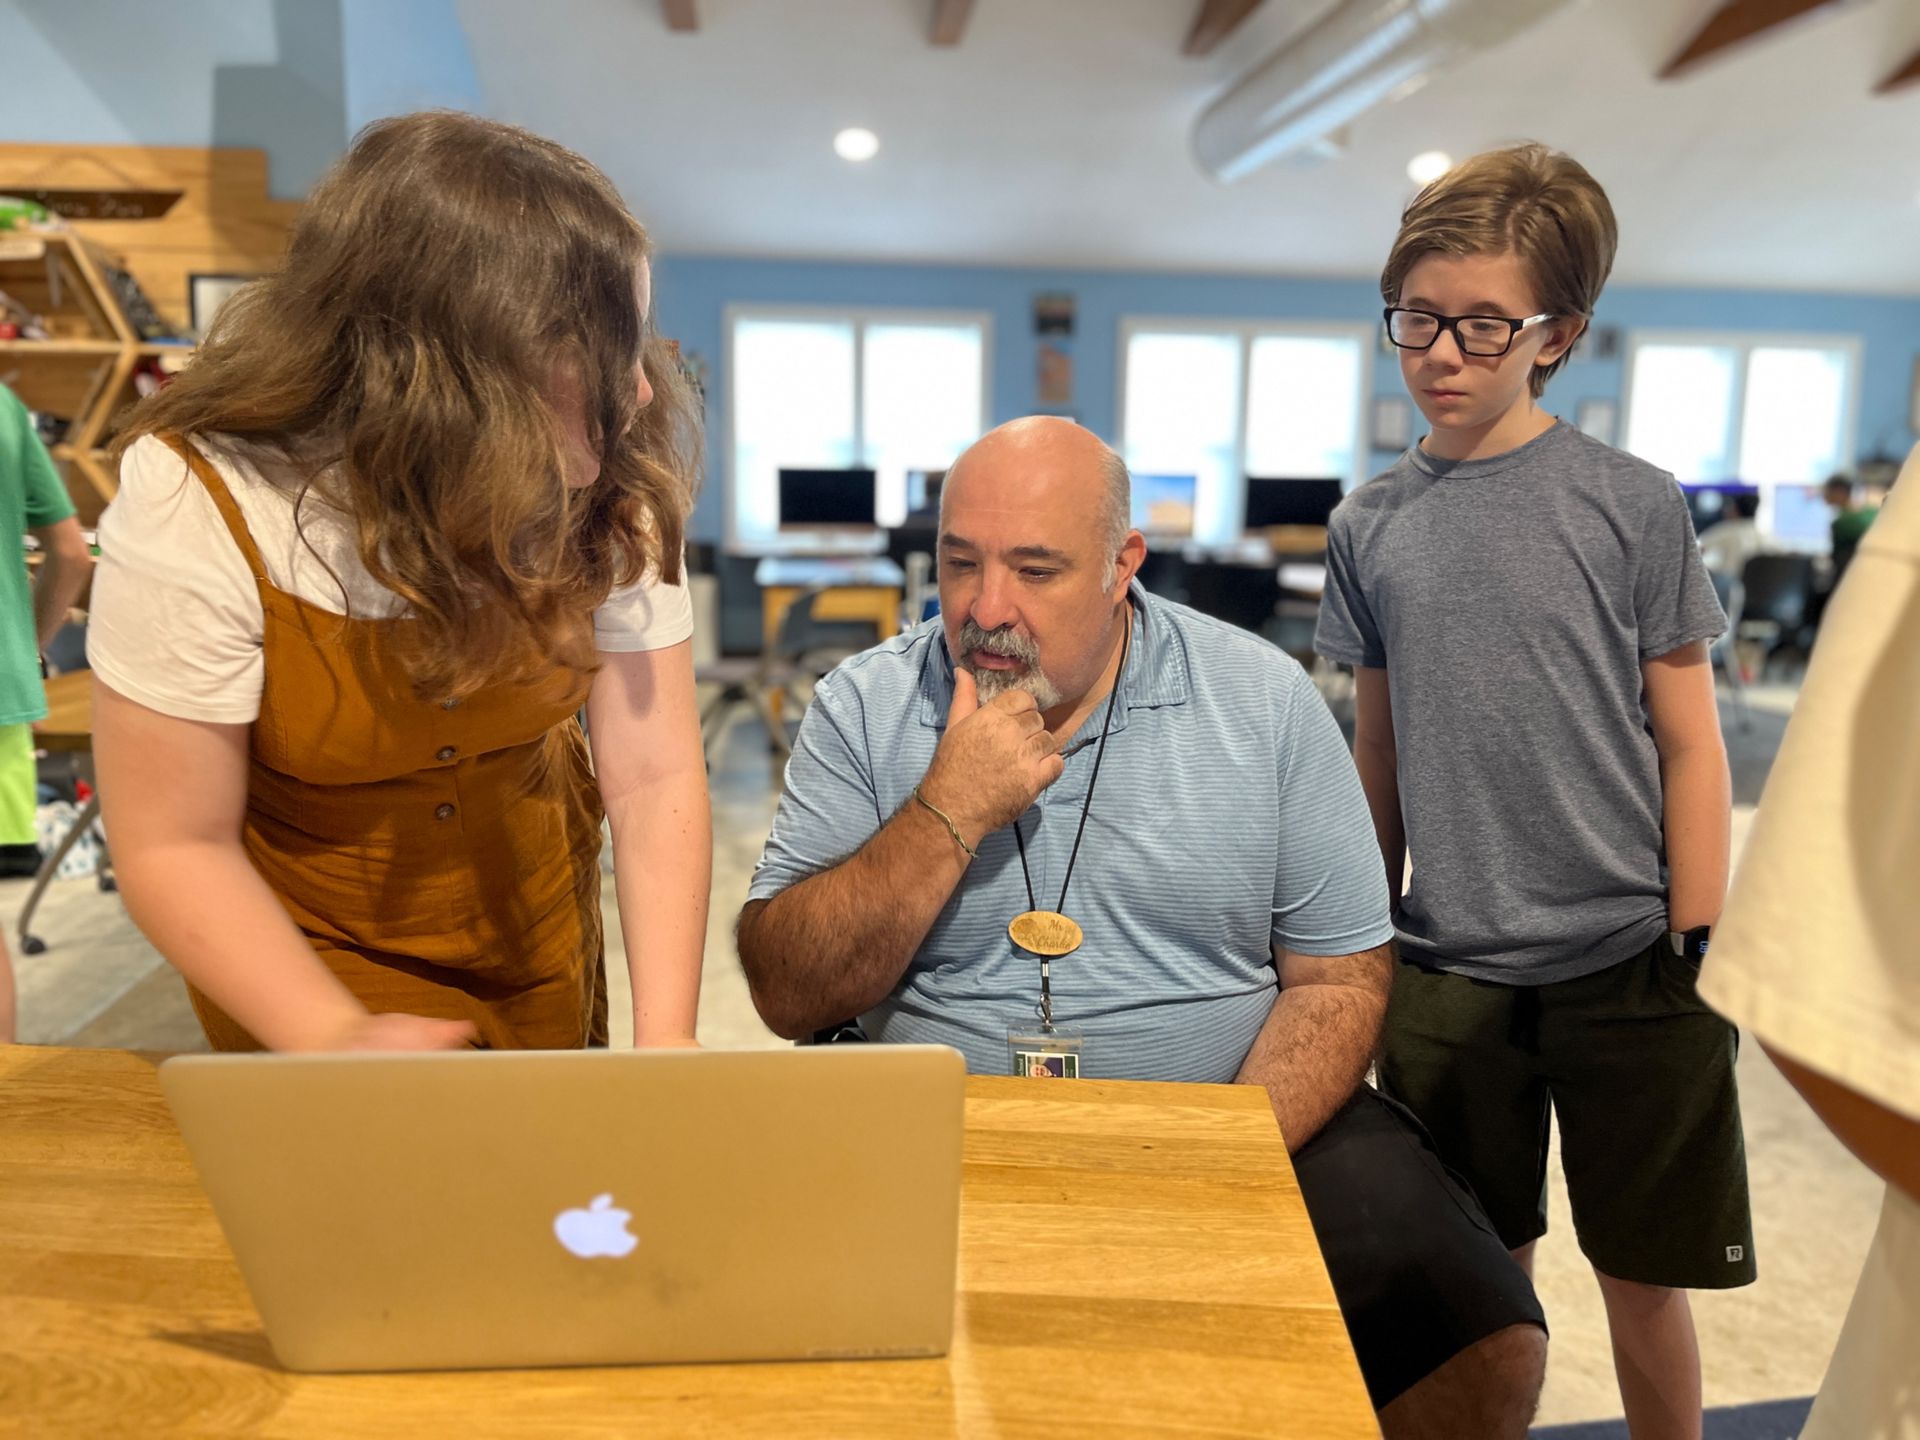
<point x="419" y="497"/>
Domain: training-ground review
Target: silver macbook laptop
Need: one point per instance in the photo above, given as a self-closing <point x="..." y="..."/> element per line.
<point x="467" y="1210"/>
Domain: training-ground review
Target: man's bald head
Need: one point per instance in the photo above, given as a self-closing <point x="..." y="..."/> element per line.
<point x="1050" y="451"/>
<point x="1035" y="559"/>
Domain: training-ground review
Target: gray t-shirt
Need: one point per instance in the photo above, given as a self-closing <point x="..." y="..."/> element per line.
<point x="1511" y="602"/>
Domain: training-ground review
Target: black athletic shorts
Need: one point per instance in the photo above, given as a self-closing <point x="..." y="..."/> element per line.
<point x="1639" y="1073"/>
<point x="1419" y="1272"/>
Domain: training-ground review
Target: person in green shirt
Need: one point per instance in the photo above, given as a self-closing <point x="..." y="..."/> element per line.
<point x="1851" y="520"/>
<point x="32" y="502"/>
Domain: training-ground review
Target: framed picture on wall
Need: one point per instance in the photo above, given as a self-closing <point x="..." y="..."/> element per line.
<point x="1392" y="423"/>
<point x="1053" y="382"/>
<point x="207" y="293"/>
<point x="1053" y="314"/>
<point x="1596" y="419"/>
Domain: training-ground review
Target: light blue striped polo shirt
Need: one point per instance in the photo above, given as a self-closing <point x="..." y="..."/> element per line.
<point x="1228" y="815"/>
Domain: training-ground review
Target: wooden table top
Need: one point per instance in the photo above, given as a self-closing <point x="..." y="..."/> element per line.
<point x="1135" y="1260"/>
<point x="69" y="722"/>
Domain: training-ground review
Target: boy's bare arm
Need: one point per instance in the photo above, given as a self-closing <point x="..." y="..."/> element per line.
<point x="1697" y="792"/>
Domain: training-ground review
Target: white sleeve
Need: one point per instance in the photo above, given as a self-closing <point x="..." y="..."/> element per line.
<point x="175" y="621"/>
<point x="1815" y="953"/>
<point x="647" y="615"/>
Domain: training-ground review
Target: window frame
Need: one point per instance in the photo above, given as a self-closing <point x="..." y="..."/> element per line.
<point x="859" y="317"/>
<point x="1744" y="343"/>
<point x="1365" y="333"/>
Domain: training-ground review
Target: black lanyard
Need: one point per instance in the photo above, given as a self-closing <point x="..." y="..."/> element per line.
<point x="1106" y="728"/>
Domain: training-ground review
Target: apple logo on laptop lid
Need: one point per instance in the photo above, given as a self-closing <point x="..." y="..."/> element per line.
<point x="598" y="1230"/>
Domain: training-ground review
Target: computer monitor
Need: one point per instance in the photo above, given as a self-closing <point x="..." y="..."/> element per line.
<point x="827" y="499"/>
<point x="923" y="491"/>
<point x="1799" y="517"/>
<point x="1163" y="506"/>
<point x="1281" y="501"/>
<point x="1709" y="504"/>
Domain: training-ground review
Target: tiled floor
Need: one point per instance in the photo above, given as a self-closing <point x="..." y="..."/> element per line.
<point x="101" y="984"/>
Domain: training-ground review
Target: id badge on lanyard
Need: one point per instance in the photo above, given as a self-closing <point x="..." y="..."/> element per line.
<point x="1045" y="1051"/>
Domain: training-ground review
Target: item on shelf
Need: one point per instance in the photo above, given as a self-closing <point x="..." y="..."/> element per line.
<point x="24" y="324"/>
<point x="147" y="322"/>
<point x="19" y="213"/>
<point x="52" y="429"/>
<point x="148" y="377"/>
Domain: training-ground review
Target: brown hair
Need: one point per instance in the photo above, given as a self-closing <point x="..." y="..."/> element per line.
<point x="401" y="361"/>
<point x="1531" y="201"/>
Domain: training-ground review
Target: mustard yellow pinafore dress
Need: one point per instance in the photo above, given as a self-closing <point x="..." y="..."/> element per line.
<point x="442" y="856"/>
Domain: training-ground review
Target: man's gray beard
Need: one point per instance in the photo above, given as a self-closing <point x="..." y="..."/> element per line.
<point x="990" y="683"/>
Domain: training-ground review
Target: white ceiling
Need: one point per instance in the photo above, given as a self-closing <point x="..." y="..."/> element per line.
<point x="1057" y="134"/>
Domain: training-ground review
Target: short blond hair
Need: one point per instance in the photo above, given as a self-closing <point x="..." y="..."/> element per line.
<point x="1528" y="200"/>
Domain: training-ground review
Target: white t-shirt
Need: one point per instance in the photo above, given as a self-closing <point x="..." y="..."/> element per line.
<point x="176" y="622"/>
<point x="1726" y="547"/>
<point x="1815" y="954"/>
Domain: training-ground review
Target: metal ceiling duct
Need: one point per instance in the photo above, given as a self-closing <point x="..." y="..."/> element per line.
<point x="1358" y="54"/>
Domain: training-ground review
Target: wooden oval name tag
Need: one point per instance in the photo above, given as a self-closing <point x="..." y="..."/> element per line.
<point x="1042" y="932"/>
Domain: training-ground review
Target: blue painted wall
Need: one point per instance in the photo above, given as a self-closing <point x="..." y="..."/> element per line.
<point x="399" y="58"/>
<point x="294" y="78"/>
<point x="188" y="72"/>
<point x="692" y="294"/>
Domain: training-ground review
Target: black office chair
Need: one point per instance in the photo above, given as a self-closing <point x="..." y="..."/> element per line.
<point x="1164" y="573"/>
<point x="1243" y="595"/>
<point x="805" y="648"/>
<point x="847" y="1032"/>
<point x="743" y="680"/>
<point x="814" y="646"/>
<point x="1777" y="602"/>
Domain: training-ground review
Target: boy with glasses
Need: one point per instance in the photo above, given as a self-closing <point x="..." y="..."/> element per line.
<point x="1529" y="620"/>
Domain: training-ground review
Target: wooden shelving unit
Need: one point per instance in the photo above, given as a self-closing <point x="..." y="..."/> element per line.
<point x="83" y="370"/>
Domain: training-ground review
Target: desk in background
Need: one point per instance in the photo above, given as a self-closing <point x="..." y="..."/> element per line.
<point x="868" y="588"/>
<point x="1134" y="1260"/>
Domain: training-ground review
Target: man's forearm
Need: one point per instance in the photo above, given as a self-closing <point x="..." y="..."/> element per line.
<point x="1318" y="1040"/>
<point x="836" y="944"/>
<point x="1699" y="800"/>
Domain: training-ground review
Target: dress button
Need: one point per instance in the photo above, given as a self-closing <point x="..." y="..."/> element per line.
<point x="445" y="752"/>
<point x="444" y="812"/>
<point x="450" y="702"/>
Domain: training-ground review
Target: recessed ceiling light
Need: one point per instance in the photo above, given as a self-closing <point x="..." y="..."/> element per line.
<point x="1428" y="166"/>
<point x="856" y="145"/>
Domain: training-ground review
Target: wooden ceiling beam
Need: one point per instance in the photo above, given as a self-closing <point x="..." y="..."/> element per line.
<point x="1738" y="22"/>
<point x="681" y="15"/>
<point x="950" y="21"/>
<point x="1213" y="22"/>
<point x="1906" y="75"/>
